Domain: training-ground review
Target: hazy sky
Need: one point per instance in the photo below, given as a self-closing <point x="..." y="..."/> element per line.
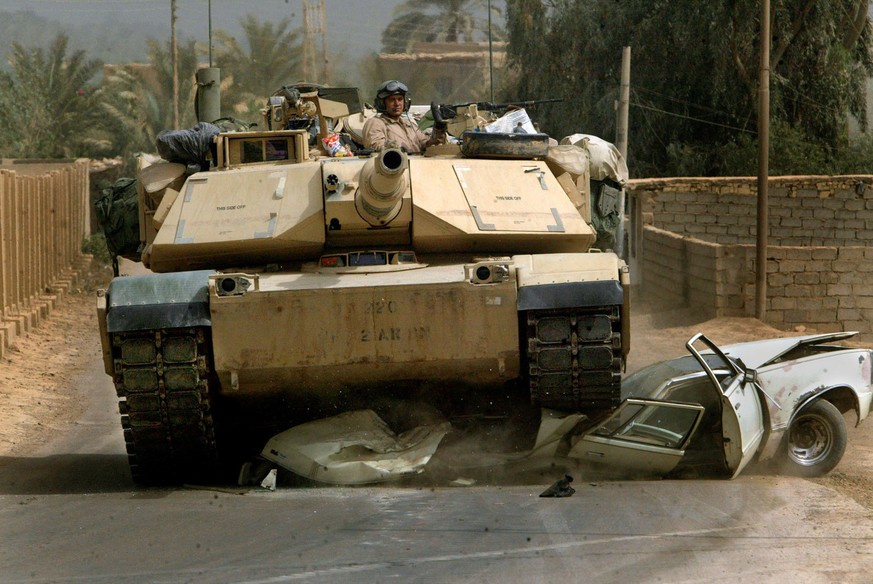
<point x="352" y="24"/>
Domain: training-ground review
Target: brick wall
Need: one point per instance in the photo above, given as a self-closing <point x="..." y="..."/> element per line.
<point x="804" y="210"/>
<point x="698" y="248"/>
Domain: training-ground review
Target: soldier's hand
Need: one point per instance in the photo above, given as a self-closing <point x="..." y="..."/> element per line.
<point x="438" y="136"/>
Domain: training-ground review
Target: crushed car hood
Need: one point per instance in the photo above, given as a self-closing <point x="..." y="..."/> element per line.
<point x="353" y="448"/>
<point x="757" y="354"/>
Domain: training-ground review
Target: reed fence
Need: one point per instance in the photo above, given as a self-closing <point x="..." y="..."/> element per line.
<point x="44" y="216"/>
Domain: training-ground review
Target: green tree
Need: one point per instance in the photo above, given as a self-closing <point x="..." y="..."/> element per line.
<point x="269" y="59"/>
<point x="161" y="60"/>
<point x="135" y="102"/>
<point x="694" y="72"/>
<point x="443" y="21"/>
<point x="44" y="100"/>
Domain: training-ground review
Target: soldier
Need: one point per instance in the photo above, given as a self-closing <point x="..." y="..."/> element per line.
<point x="390" y="125"/>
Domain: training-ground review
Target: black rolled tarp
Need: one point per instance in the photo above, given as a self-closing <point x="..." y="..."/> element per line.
<point x="191" y="147"/>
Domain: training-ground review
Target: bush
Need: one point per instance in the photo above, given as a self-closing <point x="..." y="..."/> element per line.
<point x="791" y="153"/>
<point x="856" y="157"/>
<point x="96" y="246"/>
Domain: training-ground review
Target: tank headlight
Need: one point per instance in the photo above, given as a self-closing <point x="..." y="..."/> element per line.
<point x="232" y="286"/>
<point x="333" y="184"/>
<point x="487" y="272"/>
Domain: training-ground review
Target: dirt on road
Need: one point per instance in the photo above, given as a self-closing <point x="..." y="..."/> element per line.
<point x="38" y="396"/>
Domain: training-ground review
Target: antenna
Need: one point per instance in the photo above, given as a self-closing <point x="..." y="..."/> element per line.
<point x="490" y="54"/>
<point x="210" y="32"/>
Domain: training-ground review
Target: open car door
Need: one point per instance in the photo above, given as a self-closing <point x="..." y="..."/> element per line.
<point x="642" y="437"/>
<point x="742" y="418"/>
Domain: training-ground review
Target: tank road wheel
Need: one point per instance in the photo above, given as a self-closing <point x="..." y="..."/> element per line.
<point x="816" y="440"/>
<point x="163" y="385"/>
<point x="574" y="358"/>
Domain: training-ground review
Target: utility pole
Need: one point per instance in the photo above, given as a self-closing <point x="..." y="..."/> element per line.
<point x="763" y="165"/>
<point x="313" y="25"/>
<point x="621" y="124"/>
<point x="308" y="42"/>
<point x="175" y="58"/>
<point x="324" y="55"/>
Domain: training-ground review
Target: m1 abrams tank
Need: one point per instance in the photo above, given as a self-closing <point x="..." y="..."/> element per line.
<point x="284" y="275"/>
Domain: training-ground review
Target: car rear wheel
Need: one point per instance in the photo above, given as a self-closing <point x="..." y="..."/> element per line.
<point x="816" y="440"/>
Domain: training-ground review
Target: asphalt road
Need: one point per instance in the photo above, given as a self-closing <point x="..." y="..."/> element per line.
<point x="70" y="513"/>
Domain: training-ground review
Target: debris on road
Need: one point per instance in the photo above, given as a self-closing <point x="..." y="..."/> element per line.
<point x="269" y="482"/>
<point x="561" y="488"/>
<point x="462" y="482"/>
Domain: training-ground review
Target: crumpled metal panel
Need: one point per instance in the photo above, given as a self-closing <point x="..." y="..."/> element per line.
<point x="354" y="448"/>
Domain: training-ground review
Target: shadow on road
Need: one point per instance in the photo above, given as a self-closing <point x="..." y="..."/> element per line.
<point x="65" y="474"/>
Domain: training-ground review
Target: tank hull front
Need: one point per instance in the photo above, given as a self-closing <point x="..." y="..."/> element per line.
<point x="306" y="333"/>
<point x="202" y="360"/>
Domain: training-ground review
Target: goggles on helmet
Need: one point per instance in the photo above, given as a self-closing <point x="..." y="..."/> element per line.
<point x="392" y="87"/>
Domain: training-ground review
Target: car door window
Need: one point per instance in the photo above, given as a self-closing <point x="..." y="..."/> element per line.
<point x="647" y="422"/>
<point x="642" y="436"/>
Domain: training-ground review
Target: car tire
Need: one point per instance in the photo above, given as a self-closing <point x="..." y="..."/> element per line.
<point x="815" y="441"/>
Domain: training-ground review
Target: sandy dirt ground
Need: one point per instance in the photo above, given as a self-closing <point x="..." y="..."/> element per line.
<point x="38" y="396"/>
<point x="37" y="393"/>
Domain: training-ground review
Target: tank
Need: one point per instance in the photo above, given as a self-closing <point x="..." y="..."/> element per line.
<point x="287" y="279"/>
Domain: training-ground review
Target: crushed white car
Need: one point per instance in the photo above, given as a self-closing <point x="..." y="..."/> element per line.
<point x="780" y="400"/>
<point x="711" y="412"/>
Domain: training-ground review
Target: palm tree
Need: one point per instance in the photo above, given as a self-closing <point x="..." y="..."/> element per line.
<point x="445" y="21"/>
<point x="135" y="102"/>
<point x="161" y="59"/>
<point x="269" y="59"/>
<point x="44" y="100"/>
<point x="132" y="115"/>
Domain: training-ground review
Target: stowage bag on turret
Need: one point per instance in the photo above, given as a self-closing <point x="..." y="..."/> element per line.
<point x="190" y="147"/>
<point x="117" y="212"/>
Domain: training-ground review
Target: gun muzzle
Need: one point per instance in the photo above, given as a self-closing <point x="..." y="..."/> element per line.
<point x="380" y="191"/>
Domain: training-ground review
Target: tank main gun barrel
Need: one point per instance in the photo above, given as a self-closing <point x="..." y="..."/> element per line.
<point x="380" y="191"/>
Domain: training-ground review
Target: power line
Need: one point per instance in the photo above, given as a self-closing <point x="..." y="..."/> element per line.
<point x="798" y="96"/>
<point x="691" y="118"/>
<point x="652" y="129"/>
<point x="801" y="97"/>
<point x="686" y="102"/>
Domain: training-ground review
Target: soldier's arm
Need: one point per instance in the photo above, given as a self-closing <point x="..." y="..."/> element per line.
<point x="375" y="133"/>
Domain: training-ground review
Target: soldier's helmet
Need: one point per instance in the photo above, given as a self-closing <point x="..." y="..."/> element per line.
<point x="392" y="87"/>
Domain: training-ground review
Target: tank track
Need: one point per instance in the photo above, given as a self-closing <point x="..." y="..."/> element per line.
<point x="574" y="358"/>
<point x="162" y="381"/>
